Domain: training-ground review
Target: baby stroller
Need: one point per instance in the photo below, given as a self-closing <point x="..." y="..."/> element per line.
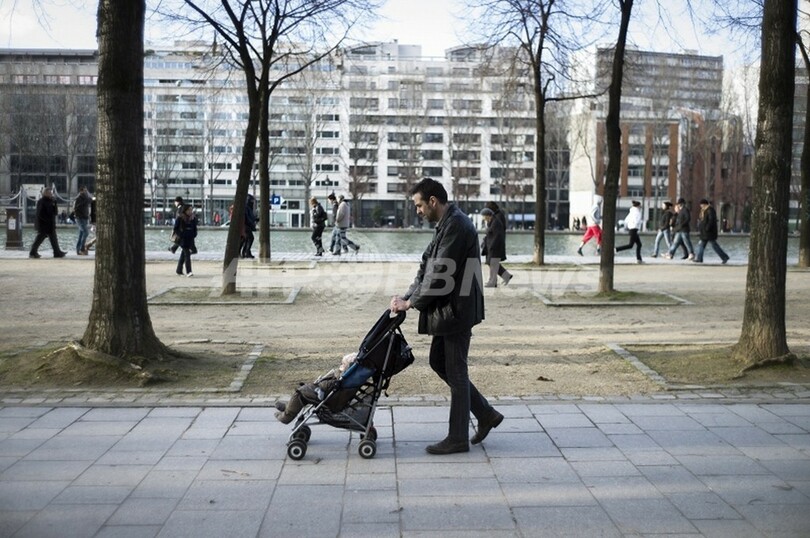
<point x="351" y="400"/>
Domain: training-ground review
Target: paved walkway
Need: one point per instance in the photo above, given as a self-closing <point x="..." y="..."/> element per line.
<point x="143" y="464"/>
<point x="551" y="469"/>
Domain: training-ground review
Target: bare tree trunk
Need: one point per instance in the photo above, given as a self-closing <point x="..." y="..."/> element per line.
<point x="614" y="151"/>
<point x="119" y="321"/>
<point x="230" y="263"/>
<point x="264" y="170"/>
<point x="804" y="194"/>
<point x="763" y="337"/>
<point x="538" y="258"/>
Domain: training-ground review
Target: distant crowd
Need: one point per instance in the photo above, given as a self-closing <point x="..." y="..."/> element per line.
<point x="673" y="226"/>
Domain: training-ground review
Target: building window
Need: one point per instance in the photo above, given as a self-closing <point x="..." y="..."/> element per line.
<point x="467" y="104"/>
<point x="396" y="188"/>
<point x="466" y="155"/>
<point x="433" y="171"/>
<point x="370" y="103"/>
<point x="466" y="138"/>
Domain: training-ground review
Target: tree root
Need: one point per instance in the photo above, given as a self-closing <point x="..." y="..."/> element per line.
<point x="787" y="358"/>
<point x="137" y="369"/>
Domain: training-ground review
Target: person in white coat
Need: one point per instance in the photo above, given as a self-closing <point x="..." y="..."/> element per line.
<point x="633" y="223"/>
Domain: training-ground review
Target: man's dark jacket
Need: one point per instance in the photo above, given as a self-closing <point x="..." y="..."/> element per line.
<point x="81" y="205"/>
<point x="707" y="226"/>
<point x="666" y="219"/>
<point x="447" y="289"/>
<point x="495" y="239"/>
<point x="46" y="215"/>
<point x="682" y="221"/>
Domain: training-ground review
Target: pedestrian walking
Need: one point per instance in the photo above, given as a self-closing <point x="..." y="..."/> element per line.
<point x="664" y="227"/>
<point x="633" y="223"/>
<point x="681" y="229"/>
<point x="81" y="210"/>
<point x="494" y="246"/>
<point x="595" y="228"/>
<point x="249" y="227"/>
<point x="318" y="222"/>
<point x="178" y="212"/>
<point x="93" y="235"/>
<point x="45" y="223"/>
<point x="343" y="219"/>
<point x="707" y="228"/>
<point x="448" y="294"/>
<point x="334" y="240"/>
<point x="185" y="227"/>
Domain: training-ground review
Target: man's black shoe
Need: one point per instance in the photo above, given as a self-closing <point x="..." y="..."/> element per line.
<point x="485" y="426"/>
<point x="60" y="255"/>
<point x="33" y="255"/>
<point x="448" y="446"/>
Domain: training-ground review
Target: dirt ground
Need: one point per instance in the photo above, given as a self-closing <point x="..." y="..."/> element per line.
<point x="307" y="316"/>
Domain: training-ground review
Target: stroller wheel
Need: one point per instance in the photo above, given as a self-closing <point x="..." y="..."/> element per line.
<point x="303" y="433"/>
<point x="367" y="449"/>
<point x="296" y="449"/>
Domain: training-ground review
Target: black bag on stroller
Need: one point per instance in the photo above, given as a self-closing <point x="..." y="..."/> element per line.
<point x="352" y="400"/>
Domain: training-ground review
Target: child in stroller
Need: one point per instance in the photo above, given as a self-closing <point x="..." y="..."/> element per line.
<point x="312" y="393"/>
<point x="347" y="398"/>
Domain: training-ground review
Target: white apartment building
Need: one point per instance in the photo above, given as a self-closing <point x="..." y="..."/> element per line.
<point x="367" y="123"/>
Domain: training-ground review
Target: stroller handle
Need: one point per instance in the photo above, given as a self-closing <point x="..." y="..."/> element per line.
<point x="388" y="322"/>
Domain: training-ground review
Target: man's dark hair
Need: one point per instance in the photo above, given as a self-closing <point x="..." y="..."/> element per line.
<point x="428" y="187"/>
<point x="179" y="200"/>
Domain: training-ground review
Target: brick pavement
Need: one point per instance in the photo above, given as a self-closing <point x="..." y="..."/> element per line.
<point x="728" y="462"/>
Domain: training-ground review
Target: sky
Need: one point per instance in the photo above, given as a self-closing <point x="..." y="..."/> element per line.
<point x="72" y="24"/>
<point x="430" y="23"/>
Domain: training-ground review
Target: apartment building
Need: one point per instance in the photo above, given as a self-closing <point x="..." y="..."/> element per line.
<point x="466" y="120"/>
<point x="676" y="139"/>
<point x="48" y="121"/>
<point x="367" y="123"/>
